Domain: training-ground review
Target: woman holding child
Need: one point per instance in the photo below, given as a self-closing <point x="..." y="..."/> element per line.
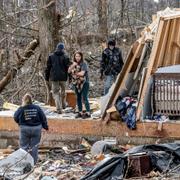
<point x="80" y="80"/>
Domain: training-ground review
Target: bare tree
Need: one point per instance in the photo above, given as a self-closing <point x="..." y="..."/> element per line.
<point x="102" y="15"/>
<point x="122" y="11"/>
<point x="48" y="28"/>
<point x="142" y="10"/>
<point x="177" y="3"/>
<point x="48" y="33"/>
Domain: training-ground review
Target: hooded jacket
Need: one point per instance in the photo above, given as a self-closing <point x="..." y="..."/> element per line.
<point x="112" y="61"/>
<point x="30" y="115"/>
<point x="57" y="66"/>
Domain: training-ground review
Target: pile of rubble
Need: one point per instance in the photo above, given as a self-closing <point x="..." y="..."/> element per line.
<point x="103" y="160"/>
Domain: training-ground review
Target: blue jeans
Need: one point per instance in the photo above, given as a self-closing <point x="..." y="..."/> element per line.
<point x="109" y="79"/>
<point x="30" y="137"/>
<point x="83" y="94"/>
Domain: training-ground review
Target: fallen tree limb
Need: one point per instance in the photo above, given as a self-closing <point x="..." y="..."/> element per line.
<point x="21" y="60"/>
<point x="28" y="82"/>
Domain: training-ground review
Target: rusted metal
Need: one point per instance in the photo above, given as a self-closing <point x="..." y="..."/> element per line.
<point x="71" y="98"/>
<point x="139" y="165"/>
<point x="166" y="94"/>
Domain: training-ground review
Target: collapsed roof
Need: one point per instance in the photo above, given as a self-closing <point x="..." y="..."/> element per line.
<point x="162" y="39"/>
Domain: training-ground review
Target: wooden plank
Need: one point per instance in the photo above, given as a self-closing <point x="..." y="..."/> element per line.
<point x="174" y="39"/>
<point x="140" y="61"/>
<point x="134" y="47"/>
<point x="174" y="36"/>
<point x="141" y="85"/>
<point x="171" y="17"/>
<point x="137" y="60"/>
<point x="168" y="51"/>
<point x="111" y="109"/>
<point x="177" y="41"/>
<point x="164" y="44"/>
<point x="160" y="46"/>
<point x="150" y="66"/>
<point x="10" y="106"/>
<point x="121" y="79"/>
<point x="92" y="128"/>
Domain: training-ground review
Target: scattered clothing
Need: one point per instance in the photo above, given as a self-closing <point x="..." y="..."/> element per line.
<point x="127" y="109"/>
<point x="158" y="117"/>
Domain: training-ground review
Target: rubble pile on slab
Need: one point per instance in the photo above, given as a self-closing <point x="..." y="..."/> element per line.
<point x="102" y="160"/>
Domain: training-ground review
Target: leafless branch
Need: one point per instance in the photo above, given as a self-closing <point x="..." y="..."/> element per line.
<point x="30" y="79"/>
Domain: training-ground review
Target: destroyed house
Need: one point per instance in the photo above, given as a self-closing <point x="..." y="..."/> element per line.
<point x="151" y="75"/>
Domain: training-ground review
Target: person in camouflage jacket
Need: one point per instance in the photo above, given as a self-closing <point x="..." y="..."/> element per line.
<point x="111" y="64"/>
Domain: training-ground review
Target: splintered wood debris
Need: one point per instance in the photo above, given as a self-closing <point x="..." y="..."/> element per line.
<point x="68" y="112"/>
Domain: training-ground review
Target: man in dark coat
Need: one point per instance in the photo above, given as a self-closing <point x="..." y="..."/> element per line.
<point x="57" y="71"/>
<point x="111" y="64"/>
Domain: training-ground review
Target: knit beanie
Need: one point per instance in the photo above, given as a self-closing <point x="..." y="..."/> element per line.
<point x="60" y="46"/>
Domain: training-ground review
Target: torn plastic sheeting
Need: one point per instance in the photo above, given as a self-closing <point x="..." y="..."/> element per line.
<point x="107" y="169"/>
<point x="171" y="148"/>
<point x="163" y="156"/>
<point x="17" y="163"/>
<point x="100" y="147"/>
<point x="115" y="167"/>
<point x="49" y="178"/>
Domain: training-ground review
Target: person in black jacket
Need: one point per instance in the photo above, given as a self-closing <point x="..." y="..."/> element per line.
<point x="111" y="64"/>
<point x="31" y="120"/>
<point x="57" y="71"/>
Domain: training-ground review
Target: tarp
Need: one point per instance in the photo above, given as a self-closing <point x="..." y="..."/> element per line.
<point x="164" y="158"/>
<point x="16" y="164"/>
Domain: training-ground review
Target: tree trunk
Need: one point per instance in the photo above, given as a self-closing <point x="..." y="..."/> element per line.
<point x="177" y="3"/>
<point x="48" y="33"/>
<point x="102" y="14"/>
<point x="48" y="28"/>
<point x="122" y="12"/>
<point x="142" y="10"/>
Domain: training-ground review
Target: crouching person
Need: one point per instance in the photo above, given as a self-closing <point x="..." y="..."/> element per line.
<point x="31" y="119"/>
